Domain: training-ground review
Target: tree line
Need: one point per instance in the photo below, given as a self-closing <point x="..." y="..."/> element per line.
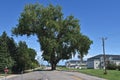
<point x="16" y="56"/>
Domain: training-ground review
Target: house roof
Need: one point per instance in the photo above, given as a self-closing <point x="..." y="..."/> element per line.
<point x="75" y="61"/>
<point x="114" y="57"/>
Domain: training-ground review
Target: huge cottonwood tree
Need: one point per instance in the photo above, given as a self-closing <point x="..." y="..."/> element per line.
<point x="58" y="36"/>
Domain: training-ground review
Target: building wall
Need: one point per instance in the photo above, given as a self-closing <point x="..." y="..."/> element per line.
<point x="96" y="64"/>
<point x="117" y="62"/>
<point x="75" y="64"/>
<point x="93" y="64"/>
<point x="90" y="64"/>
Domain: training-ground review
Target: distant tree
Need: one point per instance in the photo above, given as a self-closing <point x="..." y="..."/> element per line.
<point x="5" y="58"/>
<point x="16" y="57"/>
<point x="12" y="47"/>
<point x="23" y="60"/>
<point x="25" y="57"/>
<point x="58" y="36"/>
<point x="32" y="55"/>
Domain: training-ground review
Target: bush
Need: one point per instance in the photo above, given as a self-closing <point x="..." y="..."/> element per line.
<point x="118" y="67"/>
<point x="111" y="67"/>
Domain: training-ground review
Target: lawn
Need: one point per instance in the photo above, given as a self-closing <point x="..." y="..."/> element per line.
<point x="111" y="74"/>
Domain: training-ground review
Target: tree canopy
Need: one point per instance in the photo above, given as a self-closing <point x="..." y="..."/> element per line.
<point x="59" y="37"/>
<point x="16" y="57"/>
<point x="5" y="58"/>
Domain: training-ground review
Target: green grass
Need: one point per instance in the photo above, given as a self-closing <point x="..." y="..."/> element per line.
<point x="1" y="74"/>
<point x="111" y="74"/>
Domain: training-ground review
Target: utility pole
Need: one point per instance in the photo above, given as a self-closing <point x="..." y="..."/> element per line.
<point x="103" y="43"/>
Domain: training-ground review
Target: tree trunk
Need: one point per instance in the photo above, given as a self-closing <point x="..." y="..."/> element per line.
<point x="53" y="65"/>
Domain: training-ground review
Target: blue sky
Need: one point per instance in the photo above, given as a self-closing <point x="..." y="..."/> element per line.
<point x="98" y="18"/>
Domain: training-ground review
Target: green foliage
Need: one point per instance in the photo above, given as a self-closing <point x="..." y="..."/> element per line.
<point x="16" y="57"/>
<point x="25" y="57"/>
<point x="5" y="58"/>
<point x="111" y="66"/>
<point x="83" y="46"/>
<point x="59" y="37"/>
<point x="118" y="67"/>
<point x="22" y="56"/>
<point x="32" y="54"/>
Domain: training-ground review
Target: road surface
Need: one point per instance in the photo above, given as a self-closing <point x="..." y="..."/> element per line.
<point x="52" y="75"/>
<point x="36" y="75"/>
<point x="62" y="75"/>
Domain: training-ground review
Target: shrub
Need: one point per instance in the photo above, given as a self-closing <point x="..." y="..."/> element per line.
<point x="118" y="67"/>
<point x="111" y="67"/>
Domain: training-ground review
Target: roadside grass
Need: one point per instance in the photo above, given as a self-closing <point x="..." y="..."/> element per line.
<point x="1" y="74"/>
<point x="25" y="71"/>
<point x="111" y="74"/>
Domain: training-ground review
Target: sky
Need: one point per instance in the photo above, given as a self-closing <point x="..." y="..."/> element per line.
<point x="98" y="18"/>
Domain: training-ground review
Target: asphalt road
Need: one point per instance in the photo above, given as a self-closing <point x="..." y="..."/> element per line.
<point x="52" y="75"/>
<point x="27" y="76"/>
<point x="62" y="75"/>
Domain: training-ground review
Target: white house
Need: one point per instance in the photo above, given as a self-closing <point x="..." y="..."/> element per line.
<point x="75" y="64"/>
<point x="97" y="62"/>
